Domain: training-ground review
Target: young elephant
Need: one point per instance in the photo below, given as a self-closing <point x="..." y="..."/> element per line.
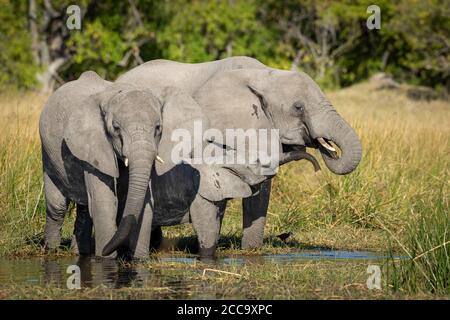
<point x="87" y="128"/>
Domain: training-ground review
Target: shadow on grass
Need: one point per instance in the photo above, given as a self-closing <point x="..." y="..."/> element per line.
<point x="189" y="244"/>
<point x="38" y="241"/>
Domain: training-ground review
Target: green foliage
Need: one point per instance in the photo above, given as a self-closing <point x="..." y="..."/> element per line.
<point x="420" y="42"/>
<point x="16" y="62"/>
<point x="211" y="30"/>
<point x="98" y="49"/>
<point x="327" y="39"/>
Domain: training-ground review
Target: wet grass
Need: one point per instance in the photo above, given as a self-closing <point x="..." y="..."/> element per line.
<point x="397" y="199"/>
<point x="299" y="280"/>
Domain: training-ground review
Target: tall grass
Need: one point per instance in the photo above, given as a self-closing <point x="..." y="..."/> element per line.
<point x="399" y="194"/>
<point x="426" y="267"/>
<point x="22" y="204"/>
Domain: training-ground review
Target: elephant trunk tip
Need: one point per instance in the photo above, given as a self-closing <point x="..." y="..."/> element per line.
<point x="346" y="140"/>
<point x="121" y="236"/>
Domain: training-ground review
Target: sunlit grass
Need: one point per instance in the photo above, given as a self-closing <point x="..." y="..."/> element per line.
<point x="22" y="201"/>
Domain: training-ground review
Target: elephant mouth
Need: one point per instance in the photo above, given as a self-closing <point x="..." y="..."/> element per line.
<point x="295" y="153"/>
<point x="325" y="146"/>
<point x="292" y="152"/>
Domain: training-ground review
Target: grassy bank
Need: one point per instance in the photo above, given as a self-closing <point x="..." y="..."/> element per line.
<point x="398" y="197"/>
<point x="302" y="280"/>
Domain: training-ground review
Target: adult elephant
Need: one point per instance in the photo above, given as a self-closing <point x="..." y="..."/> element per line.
<point x="89" y="128"/>
<point x="235" y="92"/>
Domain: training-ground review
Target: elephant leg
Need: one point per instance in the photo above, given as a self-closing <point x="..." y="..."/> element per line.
<point x="102" y="203"/>
<point x="206" y="219"/>
<point x="156" y="238"/>
<point x="82" y="234"/>
<point x="254" y="216"/>
<point x="56" y="207"/>
<point x="140" y="237"/>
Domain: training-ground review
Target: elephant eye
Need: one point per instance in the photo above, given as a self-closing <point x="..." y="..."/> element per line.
<point x="298" y="106"/>
<point x="158" y="130"/>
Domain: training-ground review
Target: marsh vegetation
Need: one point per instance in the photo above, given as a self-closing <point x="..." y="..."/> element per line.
<point x="396" y="202"/>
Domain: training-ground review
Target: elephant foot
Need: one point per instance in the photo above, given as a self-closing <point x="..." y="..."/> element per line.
<point x="207" y="255"/>
<point x="52" y="243"/>
<point x="207" y="252"/>
<point x="50" y="249"/>
<point x="52" y="235"/>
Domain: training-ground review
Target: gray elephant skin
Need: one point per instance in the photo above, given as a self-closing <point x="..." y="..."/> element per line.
<point x="90" y="129"/>
<point x="238" y="92"/>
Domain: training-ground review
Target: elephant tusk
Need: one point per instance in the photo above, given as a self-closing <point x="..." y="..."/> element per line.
<point x="125" y="161"/>
<point x="326" y="145"/>
<point x="159" y="159"/>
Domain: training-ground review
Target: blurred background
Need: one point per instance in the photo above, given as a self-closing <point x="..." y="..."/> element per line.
<point x="329" y="40"/>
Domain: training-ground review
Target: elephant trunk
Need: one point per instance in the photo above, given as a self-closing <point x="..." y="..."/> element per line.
<point x="348" y="142"/>
<point x="142" y="153"/>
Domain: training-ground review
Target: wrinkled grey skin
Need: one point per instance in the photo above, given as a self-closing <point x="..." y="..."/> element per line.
<point x="237" y="93"/>
<point x="183" y="192"/>
<point x="87" y="128"/>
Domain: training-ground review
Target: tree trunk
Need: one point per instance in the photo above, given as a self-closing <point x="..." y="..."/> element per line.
<point x="50" y="58"/>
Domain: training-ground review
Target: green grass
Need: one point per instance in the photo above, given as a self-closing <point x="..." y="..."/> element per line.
<point x="175" y="280"/>
<point x="427" y="267"/>
<point x="397" y="199"/>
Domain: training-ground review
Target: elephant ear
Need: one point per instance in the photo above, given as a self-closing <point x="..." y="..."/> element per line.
<point x="181" y="113"/>
<point x="218" y="183"/>
<point x="86" y="138"/>
<point x="217" y="180"/>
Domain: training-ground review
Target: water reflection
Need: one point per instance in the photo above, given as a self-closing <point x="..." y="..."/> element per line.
<point x="117" y="274"/>
<point x="285" y="257"/>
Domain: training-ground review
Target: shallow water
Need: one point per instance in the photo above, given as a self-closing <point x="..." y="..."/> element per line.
<point x="287" y="257"/>
<point x="113" y="274"/>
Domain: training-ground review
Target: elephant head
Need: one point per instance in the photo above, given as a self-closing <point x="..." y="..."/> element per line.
<point x="121" y="122"/>
<point x="293" y="103"/>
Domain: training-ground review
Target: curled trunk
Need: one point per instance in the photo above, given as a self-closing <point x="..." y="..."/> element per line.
<point x="296" y="155"/>
<point x="348" y="142"/>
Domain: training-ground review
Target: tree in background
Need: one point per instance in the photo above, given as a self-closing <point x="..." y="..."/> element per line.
<point x="418" y="41"/>
<point x="49" y="35"/>
<point x="327" y="39"/>
<point x="16" y="61"/>
<point x="209" y="30"/>
<point x="40" y="51"/>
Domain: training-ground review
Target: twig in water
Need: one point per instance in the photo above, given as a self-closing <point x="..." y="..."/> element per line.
<point x="220" y="271"/>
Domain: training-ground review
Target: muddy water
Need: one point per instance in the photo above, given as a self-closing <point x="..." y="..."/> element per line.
<point x="113" y="274"/>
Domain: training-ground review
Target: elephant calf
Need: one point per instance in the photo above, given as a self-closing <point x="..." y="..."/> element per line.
<point x="88" y="128"/>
